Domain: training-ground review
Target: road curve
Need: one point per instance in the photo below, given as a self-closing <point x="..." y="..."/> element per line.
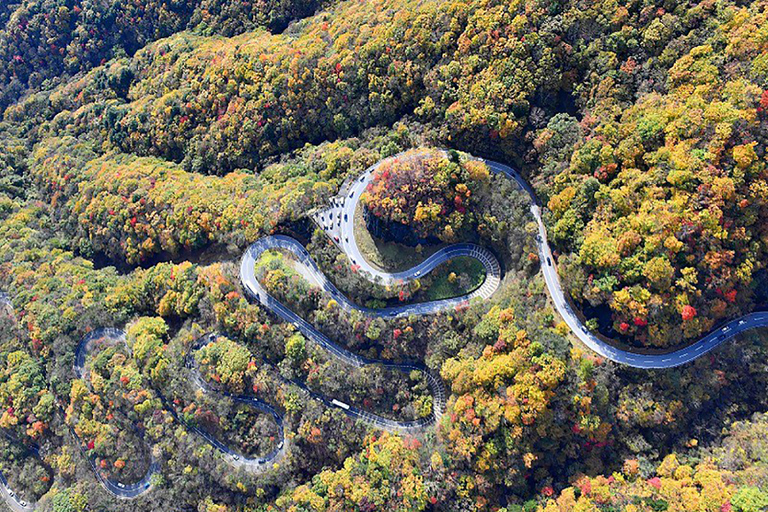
<point x="117" y="489"/>
<point x="13" y="500"/>
<point x="254" y="464"/>
<point x="338" y="222"/>
<point x="257" y="292"/>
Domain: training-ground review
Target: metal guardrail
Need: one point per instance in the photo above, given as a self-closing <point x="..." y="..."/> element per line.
<point x="493" y="274"/>
<point x="611" y="349"/>
<point x="118" y="489"/>
<point x="257" y="292"/>
<point x="250" y="401"/>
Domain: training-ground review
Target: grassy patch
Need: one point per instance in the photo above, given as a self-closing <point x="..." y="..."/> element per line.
<point x="273" y="259"/>
<point x="451" y="279"/>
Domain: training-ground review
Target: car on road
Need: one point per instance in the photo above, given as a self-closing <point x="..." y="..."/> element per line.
<point x="742" y="322"/>
<point x="345" y="217"/>
<point x="721" y="337"/>
<point x="23" y="503"/>
<point x="351" y="193"/>
<point x="121" y="485"/>
<point x="280" y="446"/>
<point x="236" y="457"/>
<point x="549" y="261"/>
<point x="336" y="239"/>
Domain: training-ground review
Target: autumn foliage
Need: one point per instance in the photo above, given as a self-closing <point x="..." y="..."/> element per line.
<point x="428" y="190"/>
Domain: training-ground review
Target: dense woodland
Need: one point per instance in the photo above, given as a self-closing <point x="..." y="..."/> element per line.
<point x="432" y="193"/>
<point x="144" y="145"/>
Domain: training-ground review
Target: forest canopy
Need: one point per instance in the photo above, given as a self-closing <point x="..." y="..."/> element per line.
<point x="145" y="145"/>
<point x="428" y="191"/>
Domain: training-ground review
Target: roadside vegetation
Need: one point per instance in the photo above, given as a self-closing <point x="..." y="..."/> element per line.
<point x="431" y="194"/>
<point x="27" y="475"/>
<point x="136" y="136"/>
<point x="453" y="278"/>
<point x="388" y="255"/>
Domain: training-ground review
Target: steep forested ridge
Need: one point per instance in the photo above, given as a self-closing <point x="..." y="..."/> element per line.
<point x="661" y="207"/>
<point x="144" y="145"/>
<point x="45" y="41"/>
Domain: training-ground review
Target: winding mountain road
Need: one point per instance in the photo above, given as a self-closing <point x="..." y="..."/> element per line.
<point x="13" y="500"/>
<point x="116" y="488"/>
<point x="255" y="464"/>
<point x="256" y="291"/>
<point x="338" y="222"/>
<point x="127" y="491"/>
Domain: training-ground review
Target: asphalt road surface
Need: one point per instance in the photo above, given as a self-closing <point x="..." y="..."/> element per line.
<point x="116" y="488"/>
<point x="254" y="464"/>
<point x="128" y="491"/>
<point x="338" y="222"/>
<point x="257" y="292"/>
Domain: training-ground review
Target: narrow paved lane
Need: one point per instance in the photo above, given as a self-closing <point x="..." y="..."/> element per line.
<point x="338" y="222"/>
<point x="257" y="292"/>
<point x="114" y="487"/>
<point x="257" y="464"/>
<point x="15" y="502"/>
<point x="254" y="464"/>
